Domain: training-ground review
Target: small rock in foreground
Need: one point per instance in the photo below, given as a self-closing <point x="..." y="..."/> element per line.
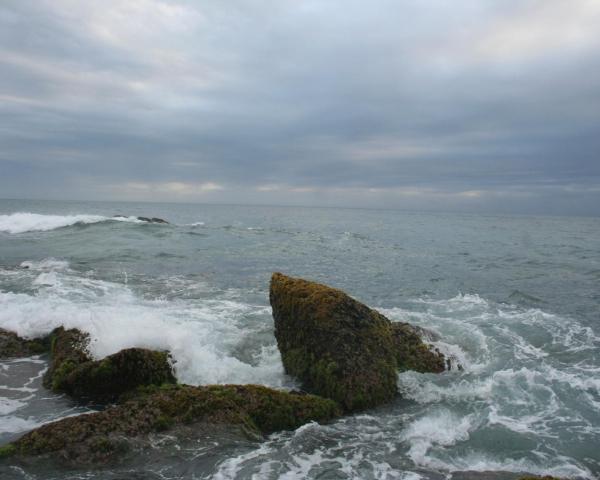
<point x="73" y="371"/>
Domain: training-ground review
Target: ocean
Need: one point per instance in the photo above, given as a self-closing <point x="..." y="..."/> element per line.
<point x="515" y="300"/>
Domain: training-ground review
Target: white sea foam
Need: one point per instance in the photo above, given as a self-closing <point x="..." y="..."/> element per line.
<point x="10" y="405"/>
<point x="422" y="389"/>
<point x="202" y="335"/>
<point x="441" y="427"/>
<point x="22" y="222"/>
<point x="309" y="452"/>
<point x="13" y="424"/>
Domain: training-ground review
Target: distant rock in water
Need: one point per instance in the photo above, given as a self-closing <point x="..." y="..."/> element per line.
<point x="103" y="436"/>
<point x="145" y="219"/>
<point x="340" y="348"/>
<point x="73" y="371"/>
<point x="11" y="345"/>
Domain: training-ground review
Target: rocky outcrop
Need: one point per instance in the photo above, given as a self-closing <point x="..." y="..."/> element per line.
<point x="102" y="436"/>
<point x="412" y="353"/>
<point x="11" y="345"/>
<point x="107" y="379"/>
<point x="68" y="350"/>
<point x="341" y="349"/>
<point x="73" y="371"/>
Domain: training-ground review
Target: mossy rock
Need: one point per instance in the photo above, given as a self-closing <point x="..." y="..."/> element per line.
<point x="11" y="345"/>
<point x="107" y="379"/>
<point x="101" y="436"/>
<point x="72" y="370"/>
<point x="68" y="350"/>
<point x="412" y="353"/>
<point x="340" y="348"/>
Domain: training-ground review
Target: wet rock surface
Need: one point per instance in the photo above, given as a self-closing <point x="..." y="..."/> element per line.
<point x="103" y="436"/>
<point x="340" y="348"/>
<point x="73" y="371"/>
<point x="12" y="346"/>
<point x="105" y="380"/>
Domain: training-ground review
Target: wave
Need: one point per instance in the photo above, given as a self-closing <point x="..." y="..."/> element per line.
<point x="22" y="222"/>
<point x="203" y="335"/>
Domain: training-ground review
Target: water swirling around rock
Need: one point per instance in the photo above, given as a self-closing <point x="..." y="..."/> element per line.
<point x="519" y="313"/>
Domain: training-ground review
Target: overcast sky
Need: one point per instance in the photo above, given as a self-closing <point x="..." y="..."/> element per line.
<point x="467" y="105"/>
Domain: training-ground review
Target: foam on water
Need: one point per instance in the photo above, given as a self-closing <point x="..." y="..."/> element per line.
<point x="22" y="222"/>
<point x="440" y="427"/>
<point x="513" y="390"/>
<point x="514" y="386"/>
<point x="202" y="335"/>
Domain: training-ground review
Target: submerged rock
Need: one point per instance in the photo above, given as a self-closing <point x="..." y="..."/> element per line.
<point x="340" y="348"/>
<point x="73" y="371"/>
<point x="102" y="436"/>
<point x="11" y="345"/>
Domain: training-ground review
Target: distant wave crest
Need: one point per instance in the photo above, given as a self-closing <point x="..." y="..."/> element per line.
<point x="22" y="222"/>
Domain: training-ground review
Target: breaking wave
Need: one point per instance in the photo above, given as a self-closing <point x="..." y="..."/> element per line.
<point x="23" y="222"/>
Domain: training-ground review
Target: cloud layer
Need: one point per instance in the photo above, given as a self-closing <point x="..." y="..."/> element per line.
<point x="474" y="106"/>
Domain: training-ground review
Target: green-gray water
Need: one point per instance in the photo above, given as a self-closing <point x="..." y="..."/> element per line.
<point x="516" y="301"/>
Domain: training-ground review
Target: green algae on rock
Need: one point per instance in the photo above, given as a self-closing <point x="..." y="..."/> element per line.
<point x="340" y="348"/>
<point x="11" y="345"/>
<point x="105" y="380"/>
<point x="101" y="436"/>
<point x="336" y="346"/>
<point x="73" y="371"/>
<point x="68" y="350"/>
<point x="412" y="353"/>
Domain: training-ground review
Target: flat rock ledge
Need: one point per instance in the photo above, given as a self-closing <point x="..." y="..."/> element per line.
<point x="340" y="348"/>
<point x="101" y="437"/>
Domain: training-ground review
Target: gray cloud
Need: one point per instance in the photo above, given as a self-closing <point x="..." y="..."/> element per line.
<point x="475" y="106"/>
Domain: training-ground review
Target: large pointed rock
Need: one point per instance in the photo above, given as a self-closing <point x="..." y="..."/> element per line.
<point x="340" y="348"/>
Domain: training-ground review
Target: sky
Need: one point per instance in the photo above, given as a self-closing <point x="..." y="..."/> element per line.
<point x="463" y="105"/>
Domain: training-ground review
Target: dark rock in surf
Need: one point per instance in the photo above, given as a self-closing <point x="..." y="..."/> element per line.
<point x="152" y="220"/>
<point x="145" y="219"/>
<point x="106" y="435"/>
<point x="73" y="371"/>
<point x="68" y="350"/>
<point x="11" y="345"/>
<point x="107" y="379"/>
<point x="340" y="348"/>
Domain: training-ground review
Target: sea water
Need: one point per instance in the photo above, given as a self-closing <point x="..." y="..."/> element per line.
<point x="515" y="300"/>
